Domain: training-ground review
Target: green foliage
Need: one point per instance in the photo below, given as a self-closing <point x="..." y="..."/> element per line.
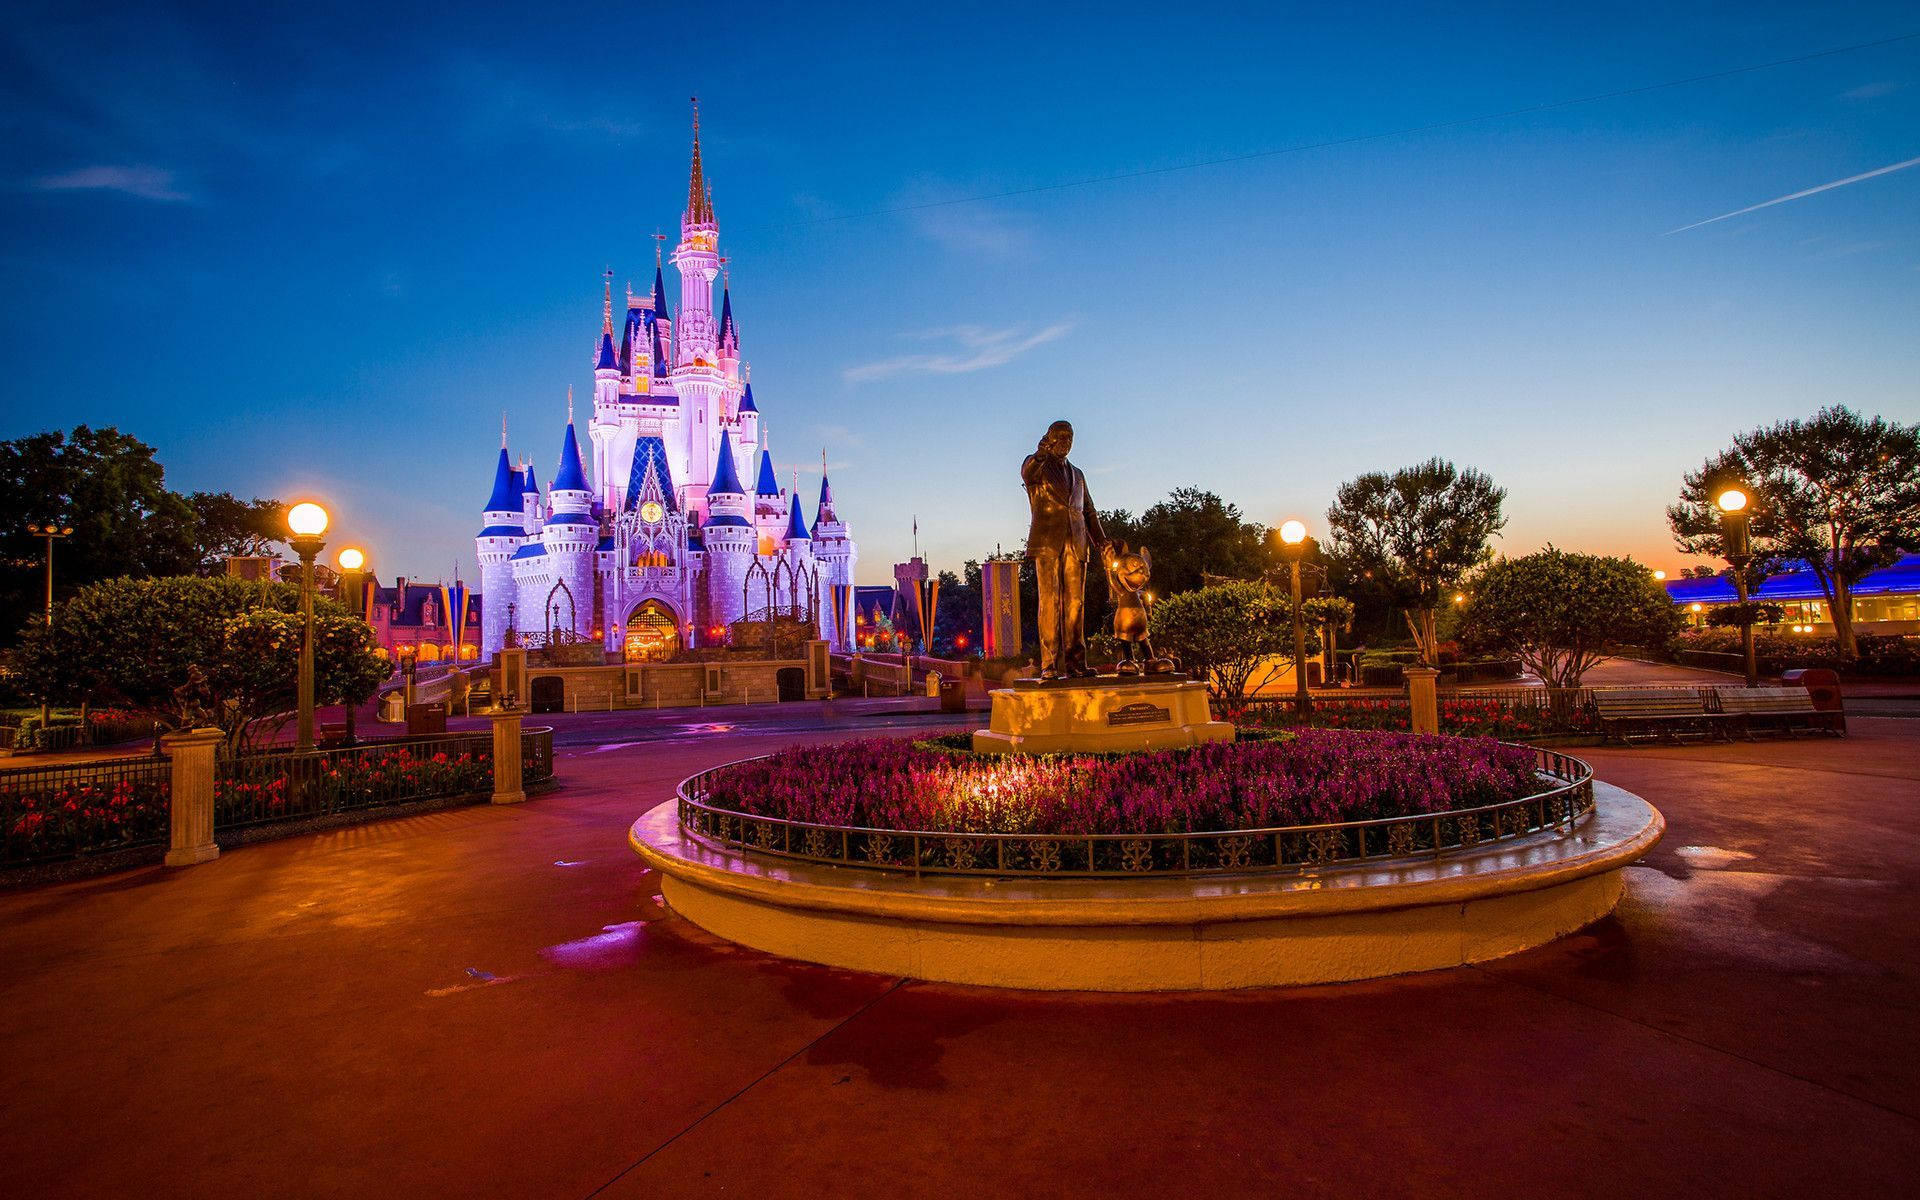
<point x="221" y="651"/>
<point x="1414" y="534"/>
<point x="1193" y="534"/>
<point x="109" y="488"/>
<point x="1229" y="633"/>
<point x="1839" y="492"/>
<point x="1739" y="616"/>
<point x="1559" y="612"/>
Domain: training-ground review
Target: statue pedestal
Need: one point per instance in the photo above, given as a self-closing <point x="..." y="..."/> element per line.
<point x="1104" y="714"/>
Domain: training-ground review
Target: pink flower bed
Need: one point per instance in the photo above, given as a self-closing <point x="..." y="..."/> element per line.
<point x="1308" y="777"/>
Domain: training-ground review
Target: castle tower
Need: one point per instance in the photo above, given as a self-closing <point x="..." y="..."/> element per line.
<point x="606" y="359"/>
<point x="571" y="536"/>
<point x="729" y="337"/>
<point x="729" y="536"/>
<point x="798" y="547"/>
<point x="532" y="505"/>
<point x="697" y="376"/>
<point x="502" y="532"/>
<point x="747" y="414"/>
<point x="769" y="506"/>
<point x="833" y="550"/>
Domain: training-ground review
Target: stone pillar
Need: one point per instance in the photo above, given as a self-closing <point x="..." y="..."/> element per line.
<point x="192" y="751"/>
<point x="819" y="671"/>
<point x="506" y="756"/>
<point x="513" y="678"/>
<point x="1424" y="699"/>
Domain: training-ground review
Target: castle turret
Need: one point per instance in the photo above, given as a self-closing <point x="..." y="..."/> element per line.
<point x="729" y="338"/>
<point x="571" y="536"/>
<point x="769" y="505"/>
<point x="532" y="505"/>
<point x="834" y="551"/>
<point x="502" y="531"/>
<point x="606" y="359"/>
<point x="729" y="537"/>
<point x="747" y="415"/>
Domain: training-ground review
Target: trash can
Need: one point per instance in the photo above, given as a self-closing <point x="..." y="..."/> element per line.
<point x="1821" y="684"/>
<point x="953" y="695"/>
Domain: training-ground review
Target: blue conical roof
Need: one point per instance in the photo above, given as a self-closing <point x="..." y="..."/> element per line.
<point x="726" y="477"/>
<point x="528" y="482"/>
<point x="660" y="296"/>
<point x="825" y="511"/>
<point x="768" y="485"/>
<point x="609" y="359"/>
<point x="726" y="316"/>
<point x="506" y="486"/>
<point x="797" y="524"/>
<point x="746" y="401"/>
<point x="570" y="477"/>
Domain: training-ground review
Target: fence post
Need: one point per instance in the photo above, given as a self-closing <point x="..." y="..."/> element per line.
<point x="191" y="795"/>
<point x="506" y="756"/>
<point x="1423" y="699"/>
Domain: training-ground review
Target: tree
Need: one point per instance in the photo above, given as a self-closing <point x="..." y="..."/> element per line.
<point x="959" y="614"/>
<point x="1235" y="635"/>
<point x="111" y="489"/>
<point x="187" y="649"/>
<point x="1560" y="613"/>
<point x="1192" y="534"/>
<point x="1839" y="492"/>
<point x="1418" y="532"/>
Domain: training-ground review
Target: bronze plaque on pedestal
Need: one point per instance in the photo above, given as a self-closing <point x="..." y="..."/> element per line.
<point x="1139" y="713"/>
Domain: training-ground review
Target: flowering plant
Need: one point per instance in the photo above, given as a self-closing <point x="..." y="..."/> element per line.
<point x="1466" y="716"/>
<point x="78" y="818"/>
<point x="1308" y="777"/>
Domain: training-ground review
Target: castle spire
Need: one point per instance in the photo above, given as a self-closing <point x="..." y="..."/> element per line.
<point x="606" y="307"/>
<point x="569" y="404"/>
<point x="699" y="202"/>
<point x="503" y="429"/>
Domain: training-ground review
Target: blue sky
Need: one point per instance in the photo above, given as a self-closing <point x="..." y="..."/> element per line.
<point x="316" y="252"/>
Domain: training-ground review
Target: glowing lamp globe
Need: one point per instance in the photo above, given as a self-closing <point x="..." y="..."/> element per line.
<point x="1732" y="500"/>
<point x="351" y="559"/>
<point x="1293" y="533"/>
<point x="307" y="519"/>
<point x="1696" y="606"/>
<point x="1659" y="574"/>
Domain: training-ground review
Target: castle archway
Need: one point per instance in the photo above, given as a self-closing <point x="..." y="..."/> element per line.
<point x="652" y="633"/>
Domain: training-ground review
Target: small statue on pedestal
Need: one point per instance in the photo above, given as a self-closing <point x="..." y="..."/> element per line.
<point x="1128" y="573"/>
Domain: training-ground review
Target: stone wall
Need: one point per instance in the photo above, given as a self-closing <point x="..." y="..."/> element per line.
<point x="667" y="685"/>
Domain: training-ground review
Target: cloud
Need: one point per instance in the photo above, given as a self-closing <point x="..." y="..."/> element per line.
<point x="1812" y="191"/>
<point x="148" y="183"/>
<point x="975" y="230"/>
<point x="977" y="349"/>
<point x="1872" y="91"/>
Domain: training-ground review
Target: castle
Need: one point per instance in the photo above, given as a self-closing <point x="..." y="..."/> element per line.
<point x="664" y="546"/>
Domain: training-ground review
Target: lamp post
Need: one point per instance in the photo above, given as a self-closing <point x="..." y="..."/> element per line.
<point x="353" y="590"/>
<point x="49" y="533"/>
<point x="307" y="521"/>
<point x="1733" y="527"/>
<point x="1293" y="540"/>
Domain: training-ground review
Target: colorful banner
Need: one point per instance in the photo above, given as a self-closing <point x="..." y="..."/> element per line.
<point x="453" y="602"/>
<point x="842" y="596"/>
<point x="926" y="598"/>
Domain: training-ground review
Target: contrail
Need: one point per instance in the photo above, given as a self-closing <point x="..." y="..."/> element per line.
<point x="1825" y="187"/>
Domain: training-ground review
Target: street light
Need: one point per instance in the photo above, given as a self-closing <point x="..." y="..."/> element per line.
<point x="352" y="590"/>
<point x="49" y="533"/>
<point x="308" y="521"/>
<point x="1293" y="540"/>
<point x="1733" y="528"/>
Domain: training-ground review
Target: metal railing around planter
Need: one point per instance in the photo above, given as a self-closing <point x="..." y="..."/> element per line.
<point x="74" y="809"/>
<point x="1289" y="848"/>
<point x="536" y="755"/>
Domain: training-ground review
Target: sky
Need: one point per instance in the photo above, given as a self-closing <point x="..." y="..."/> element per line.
<point x="314" y="252"/>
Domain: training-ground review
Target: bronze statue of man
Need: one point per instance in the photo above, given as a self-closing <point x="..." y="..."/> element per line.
<point x="1065" y="526"/>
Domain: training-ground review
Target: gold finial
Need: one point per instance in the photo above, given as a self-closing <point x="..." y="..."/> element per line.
<point x="659" y="240"/>
<point x="606" y="306"/>
<point x="569" y="404"/>
<point x="503" y="429"/>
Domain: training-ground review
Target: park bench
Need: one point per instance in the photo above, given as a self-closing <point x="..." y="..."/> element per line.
<point x="1650" y="713"/>
<point x="1784" y="709"/>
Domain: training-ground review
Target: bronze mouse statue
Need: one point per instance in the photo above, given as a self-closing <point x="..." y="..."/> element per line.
<point x="1128" y="573"/>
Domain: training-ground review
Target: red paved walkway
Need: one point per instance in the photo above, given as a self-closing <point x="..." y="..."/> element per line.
<point x="489" y="1002"/>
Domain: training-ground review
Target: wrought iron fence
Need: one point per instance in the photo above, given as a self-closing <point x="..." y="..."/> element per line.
<point x="1562" y="808"/>
<point x="73" y="809"/>
<point x="1512" y="712"/>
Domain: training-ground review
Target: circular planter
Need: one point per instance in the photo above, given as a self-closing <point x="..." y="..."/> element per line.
<point x="1361" y="920"/>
